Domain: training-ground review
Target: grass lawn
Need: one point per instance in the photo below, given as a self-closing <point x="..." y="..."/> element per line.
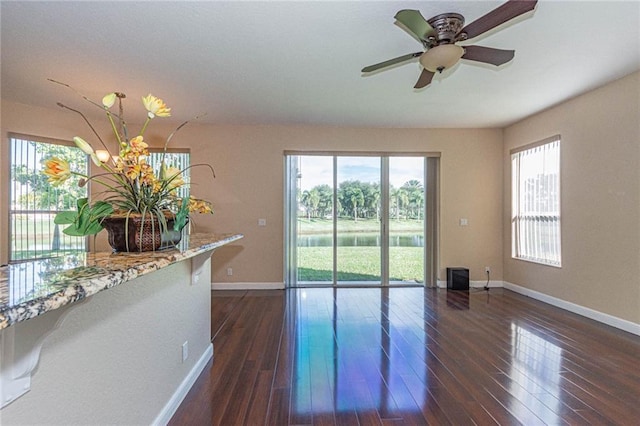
<point x="360" y="264"/>
<point x="32" y="237"/>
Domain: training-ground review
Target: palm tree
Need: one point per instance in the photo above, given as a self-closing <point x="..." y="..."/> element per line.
<point x="310" y="200"/>
<point x="401" y="199"/>
<point x="415" y="194"/>
<point x="357" y="198"/>
<point x="372" y="199"/>
<point x="351" y="196"/>
<point x="325" y="194"/>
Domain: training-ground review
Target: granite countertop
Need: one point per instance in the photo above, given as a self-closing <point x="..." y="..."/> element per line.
<point x="33" y="288"/>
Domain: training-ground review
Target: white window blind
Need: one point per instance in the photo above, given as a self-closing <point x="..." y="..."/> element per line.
<point x="535" y="218"/>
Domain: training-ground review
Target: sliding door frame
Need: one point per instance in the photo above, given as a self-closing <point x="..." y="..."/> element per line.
<point x="431" y="212"/>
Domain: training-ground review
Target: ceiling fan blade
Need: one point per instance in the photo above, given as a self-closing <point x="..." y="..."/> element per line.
<point x="488" y="55"/>
<point x="413" y="21"/>
<point x="390" y="62"/>
<point x="424" y="80"/>
<point x="498" y="16"/>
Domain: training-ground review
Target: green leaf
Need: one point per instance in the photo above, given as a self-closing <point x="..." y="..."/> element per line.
<point x="82" y="218"/>
<point x="82" y="202"/>
<point x="73" y="231"/>
<point x="65" y="218"/>
<point x="182" y="216"/>
<point x="102" y="208"/>
<point x="93" y="228"/>
<point x="87" y="220"/>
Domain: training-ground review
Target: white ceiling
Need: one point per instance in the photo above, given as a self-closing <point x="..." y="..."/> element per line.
<point x="299" y="62"/>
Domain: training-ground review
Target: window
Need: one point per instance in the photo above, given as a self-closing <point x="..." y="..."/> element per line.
<point x="179" y="158"/>
<point x="535" y="213"/>
<point x="33" y="202"/>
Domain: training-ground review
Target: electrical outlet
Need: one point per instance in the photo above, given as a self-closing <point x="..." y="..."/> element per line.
<point x="229" y="272"/>
<point x="487" y="269"/>
<point x="185" y="351"/>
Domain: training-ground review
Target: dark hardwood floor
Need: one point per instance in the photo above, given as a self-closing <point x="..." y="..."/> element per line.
<point x="410" y="356"/>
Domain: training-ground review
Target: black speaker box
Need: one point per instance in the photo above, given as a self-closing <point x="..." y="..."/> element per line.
<point x="457" y="279"/>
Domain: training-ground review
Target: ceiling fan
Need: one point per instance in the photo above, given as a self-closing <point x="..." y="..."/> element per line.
<point x="440" y="34"/>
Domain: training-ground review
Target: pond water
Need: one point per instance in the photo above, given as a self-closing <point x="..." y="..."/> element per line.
<point x="361" y="240"/>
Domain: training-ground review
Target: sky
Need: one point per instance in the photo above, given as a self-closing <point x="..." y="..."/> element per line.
<point x="317" y="170"/>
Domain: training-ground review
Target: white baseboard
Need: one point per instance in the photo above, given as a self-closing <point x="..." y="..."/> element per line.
<point x="176" y="399"/>
<point x="247" y="286"/>
<point x="607" y="319"/>
<point x="475" y="284"/>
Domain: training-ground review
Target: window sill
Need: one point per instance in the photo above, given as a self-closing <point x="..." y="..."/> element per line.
<point x="537" y="262"/>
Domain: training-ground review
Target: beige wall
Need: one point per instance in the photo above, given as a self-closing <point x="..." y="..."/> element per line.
<point x="600" y="169"/>
<point x="249" y="165"/>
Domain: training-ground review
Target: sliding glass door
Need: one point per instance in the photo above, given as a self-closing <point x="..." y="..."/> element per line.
<point x="406" y="219"/>
<point x="357" y="221"/>
<point x="360" y="219"/>
<point x="313" y="201"/>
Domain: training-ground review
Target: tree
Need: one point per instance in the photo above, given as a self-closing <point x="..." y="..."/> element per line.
<point x="357" y="198"/>
<point x="400" y="198"/>
<point x="351" y="196"/>
<point x="325" y="205"/>
<point x="372" y="198"/>
<point x="310" y="199"/>
<point x="415" y="197"/>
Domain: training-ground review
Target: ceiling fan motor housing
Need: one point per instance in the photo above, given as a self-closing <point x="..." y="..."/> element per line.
<point x="447" y="26"/>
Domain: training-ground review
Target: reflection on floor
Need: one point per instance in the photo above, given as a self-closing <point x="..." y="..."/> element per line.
<point x="410" y="356"/>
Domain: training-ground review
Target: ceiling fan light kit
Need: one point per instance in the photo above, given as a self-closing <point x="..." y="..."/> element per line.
<point x="441" y="57"/>
<point x="440" y="34"/>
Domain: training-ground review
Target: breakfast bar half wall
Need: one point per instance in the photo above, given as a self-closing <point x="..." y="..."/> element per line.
<point x="102" y="338"/>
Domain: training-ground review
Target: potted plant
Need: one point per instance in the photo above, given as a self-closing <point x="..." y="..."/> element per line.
<point x="140" y="207"/>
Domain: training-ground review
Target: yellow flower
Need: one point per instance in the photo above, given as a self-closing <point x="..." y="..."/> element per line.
<point x="157" y="186"/>
<point x="199" y="206"/>
<point x="174" y="176"/>
<point x="133" y="171"/>
<point x="147" y="177"/>
<point x="155" y="106"/>
<point x="138" y="145"/>
<point x="119" y="164"/>
<point x="109" y="100"/>
<point x="83" y="145"/>
<point x="57" y="170"/>
<point x="129" y="156"/>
